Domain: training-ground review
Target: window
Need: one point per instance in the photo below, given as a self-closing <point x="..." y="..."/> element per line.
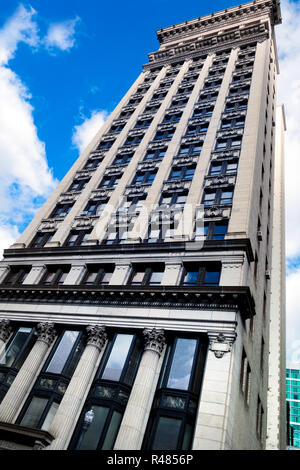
<point x="236" y="105"/>
<point x="173" y="200"/>
<point x="245" y="377"/>
<point x="55" y="276"/>
<point x="16" y="350"/>
<point x="179" y="102"/>
<point x="160" y="231"/>
<point x="91" y="164"/>
<point x="234" y="90"/>
<point x="259" y="419"/>
<point x="164" y="134"/>
<point x="145" y="177"/>
<point x="105" y="144"/>
<point x="208" y="96"/>
<point x="116" y="235"/>
<point x="147" y="275"/>
<point x="78" y="185"/>
<point x="228" y="167"/>
<point x="212" y="230"/>
<point x="190" y="149"/>
<point x="236" y="122"/>
<point x="242" y="76"/>
<point x="143" y="123"/>
<point x="228" y="143"/>
<point x="207" y="110"/>
<point x="197" y="129"/>
<point x="41" y="239"/>
<point x="132" y="205"/>
<point x="17" y="275"/>
<point x="172" y="117"/>
<point x="218" y="197"/>
<point x="77" y="238"/>
<point x="123" y="159"/>
<point x="110" y="181"/>
<point x="109" y="394"/>
<point x="156" y="154"/>
<point x="196" y="274"/>
<point x="98" y="275"/>
<point x="126" y="114"/>
<point x="134" y="101"/>
<point x="61" y="210"/>
<point x="94" y="208"/>
<point x="185" y="90"/>
<point x="213" y="83"/>
<point x="173" y="413"/>
<point x="134" y="139"/>
<point x="185" y="172"/>
<point x="43" y="402"/>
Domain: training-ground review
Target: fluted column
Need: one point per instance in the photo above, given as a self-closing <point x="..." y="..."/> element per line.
<point x="130" y="435"/>
<point x="23" y="382"/>
<point x="73" y="400"/>
<point x="5" y="331"/>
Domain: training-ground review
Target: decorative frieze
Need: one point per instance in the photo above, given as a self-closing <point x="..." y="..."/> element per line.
<point x="85" y="222"/>
<point x="178" y="185"/>
<point x="101" y="193"/>
<point x="84" y="173"/>
<point x="212" y="211"/>
<point x="137" y="190"/>
<point x="219" y="181"/>
<point x="185" y="160"/>
<point x="221" y="343"/>
<point x="234" y="132"/>
<point x="49" y="225"/>
<point x="225" y="154"/>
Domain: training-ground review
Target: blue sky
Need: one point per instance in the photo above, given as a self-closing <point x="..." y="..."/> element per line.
<point x="64" y="66"/>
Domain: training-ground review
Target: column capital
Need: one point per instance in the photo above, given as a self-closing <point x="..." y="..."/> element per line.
<point x="96" y="336"/>
<point x="154" y="339"/>
<point x="5" y="329"/>
<point x="46" y="332"/>
<point x="221" y="342"/>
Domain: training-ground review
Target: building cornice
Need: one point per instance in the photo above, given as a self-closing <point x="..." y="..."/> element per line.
<point x="237" y="298"/>
<point x="250" y="10"/>
<point x="242" y="244"/>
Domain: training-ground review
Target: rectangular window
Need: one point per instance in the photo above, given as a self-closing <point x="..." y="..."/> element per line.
<point x="62" y="352"/>
<point x="117" y="357"/>
<point x="182" y="363"/>
<point x="16" y="348"/>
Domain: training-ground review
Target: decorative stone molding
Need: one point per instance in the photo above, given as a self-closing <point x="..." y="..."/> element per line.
<point x="101" y="193"/>
<point x="221" y="343"/>
<point x="154" y="339"/>
<point x="225" y="154"/>
<point x="217" y="211"/>
<point x="219" y="181"/>
<point x="96" y="336"/>
<point x="178" y="185"/>
<point x="46" y="332"/>
<point x="5" y="330"/>
<point x="49" y="225"/>
<point x="83" y="222"/>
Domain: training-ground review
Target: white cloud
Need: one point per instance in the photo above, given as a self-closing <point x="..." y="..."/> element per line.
<point x="25" y="178"/>
<point x="288" y="40"/>
<point x="84" y="133"/>
<point x="61" y="35"/>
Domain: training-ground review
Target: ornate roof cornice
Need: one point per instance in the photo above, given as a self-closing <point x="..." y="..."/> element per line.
<point x="246" y="11"/>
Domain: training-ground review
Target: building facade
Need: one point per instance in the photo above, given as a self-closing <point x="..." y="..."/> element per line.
<point x="293" y="403"/>
<point x="135" y="308"/>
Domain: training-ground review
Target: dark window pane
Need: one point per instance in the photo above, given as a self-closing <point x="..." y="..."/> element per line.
<point x="50" y="415"/>
<point x="191" y="278"/>
<point x="212" y="278"/>
<point x="155" y="278"/>
<point x="166" y="434"/>
<point x="10" y="354"/>
<point x="117" y="357"/>
<point x="92" y="435"/>
<point x="34" y="412"/>
<point x="62" y="352"/>
<point x="182" y="363"/>
<point x="111" y="433"/>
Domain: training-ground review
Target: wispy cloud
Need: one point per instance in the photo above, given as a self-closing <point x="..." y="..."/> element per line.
<point x="84" y="133"/>
<point x="61" y="35"/>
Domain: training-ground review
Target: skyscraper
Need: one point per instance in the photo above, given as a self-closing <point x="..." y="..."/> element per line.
<point x="135" y="308"/>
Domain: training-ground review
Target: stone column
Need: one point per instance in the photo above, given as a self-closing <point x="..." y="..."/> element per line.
<point x="210" y="426"/>
<point x="23" y="382"/>
<point x="131" y="433"/>
<point x="5" y="331"/>
<point x="70" y="407"/>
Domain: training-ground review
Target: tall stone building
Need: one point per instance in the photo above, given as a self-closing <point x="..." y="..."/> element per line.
<point x="135" y="308"/>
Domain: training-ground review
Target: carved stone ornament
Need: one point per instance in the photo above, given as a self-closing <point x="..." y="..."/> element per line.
<point x="96" y="336"/>
<point x="46" y="332"/>
<point x="154" y="339"/>
<point x="5" y="329"/>
<point x="221" y="343"/>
